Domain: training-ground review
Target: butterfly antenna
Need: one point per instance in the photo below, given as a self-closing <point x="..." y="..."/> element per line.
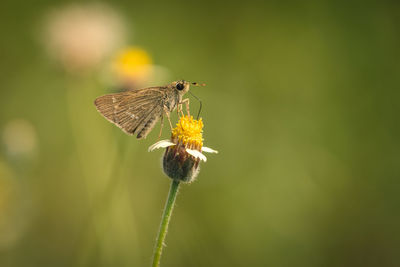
<point x="201" y="104"/>
<point x="198" y="84"/>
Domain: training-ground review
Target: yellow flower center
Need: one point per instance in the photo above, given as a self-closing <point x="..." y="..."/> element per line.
<point x="133" y="62"/>
<point x="189" y="132"/>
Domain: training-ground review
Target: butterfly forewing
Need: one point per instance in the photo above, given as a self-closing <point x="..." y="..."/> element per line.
<point x="135" y="111"/>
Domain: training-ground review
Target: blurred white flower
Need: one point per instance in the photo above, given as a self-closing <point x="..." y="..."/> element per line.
<point x="19" y="138"/>
<point x="80" y="36"/>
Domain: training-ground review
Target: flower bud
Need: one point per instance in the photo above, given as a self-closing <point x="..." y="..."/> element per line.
<point x="180" y="165"/>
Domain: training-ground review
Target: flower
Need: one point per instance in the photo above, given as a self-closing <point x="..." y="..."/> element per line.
<point x="80" y="36"/>
<point x="182" y="157"/>
<point x="133" y="67"/>
<point x="19" y="137"/>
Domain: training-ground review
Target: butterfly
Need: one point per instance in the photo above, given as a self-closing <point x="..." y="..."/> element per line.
<point x="137" y="111"/>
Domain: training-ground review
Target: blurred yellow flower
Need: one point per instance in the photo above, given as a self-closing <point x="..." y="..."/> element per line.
<point x="133" y="66"/>
<point x="132" y="62"/>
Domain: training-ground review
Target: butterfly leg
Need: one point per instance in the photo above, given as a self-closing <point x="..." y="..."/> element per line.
<point x="179" y="109"/>
<point x="186" y="102"/>
<point x="169" y="119"/>
<point x="162" y="126"/>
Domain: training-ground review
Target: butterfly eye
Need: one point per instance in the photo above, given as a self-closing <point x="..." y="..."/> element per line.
<point x="180" y="86"/>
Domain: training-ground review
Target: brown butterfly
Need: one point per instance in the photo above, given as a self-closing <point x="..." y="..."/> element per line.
<point x="137" y="111"/>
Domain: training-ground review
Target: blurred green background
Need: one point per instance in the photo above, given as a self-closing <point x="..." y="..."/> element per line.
<point x="301" y="102"/>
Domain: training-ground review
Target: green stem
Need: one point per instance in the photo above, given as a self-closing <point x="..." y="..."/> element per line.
<point x="169" y="206"/>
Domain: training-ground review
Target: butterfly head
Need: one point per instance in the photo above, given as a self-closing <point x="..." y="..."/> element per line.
<point x="181" y="86"/>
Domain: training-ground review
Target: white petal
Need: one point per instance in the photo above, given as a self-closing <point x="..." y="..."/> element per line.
<point x="208" y="150"/>
<point x="161" y="144"/>
<point x="196" y="154"/>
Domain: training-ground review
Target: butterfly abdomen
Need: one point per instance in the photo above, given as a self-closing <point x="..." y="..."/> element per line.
<point x="147" y="128"/>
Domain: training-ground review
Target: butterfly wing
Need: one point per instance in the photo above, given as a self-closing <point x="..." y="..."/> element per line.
<point x="135" y="111"/>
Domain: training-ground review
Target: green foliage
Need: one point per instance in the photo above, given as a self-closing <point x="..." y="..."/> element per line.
<point x="301" y="102"/>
